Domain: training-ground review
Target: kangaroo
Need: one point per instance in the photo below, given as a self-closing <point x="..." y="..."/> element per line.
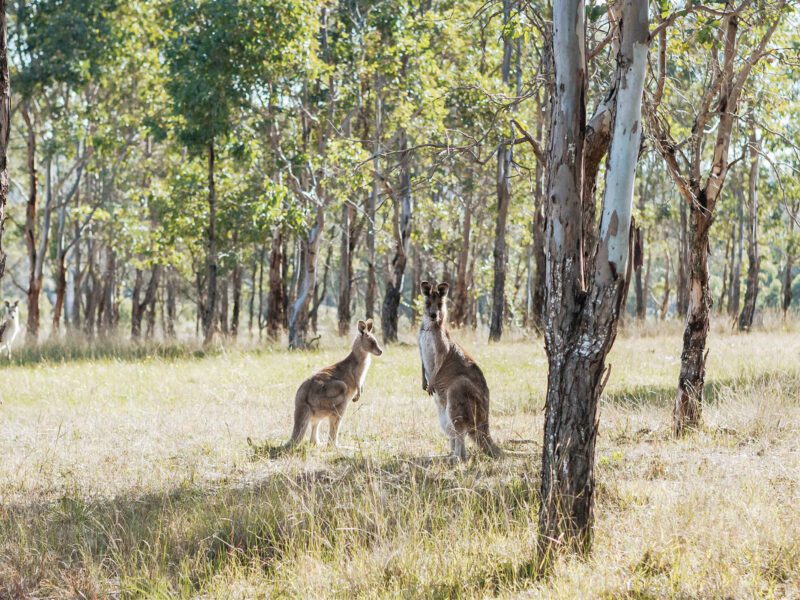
<point x="10" y="327"/>
<point x="326" y="393"/>
<point x="453" y="378"/>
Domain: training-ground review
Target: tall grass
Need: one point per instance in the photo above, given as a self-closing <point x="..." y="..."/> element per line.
<point x="130" y="475"/>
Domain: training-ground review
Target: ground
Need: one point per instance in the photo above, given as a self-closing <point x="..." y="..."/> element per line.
<point x="147" y="474"/>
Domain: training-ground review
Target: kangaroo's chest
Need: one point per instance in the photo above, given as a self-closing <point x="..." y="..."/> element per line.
<point x="427" y="349"/>
<point x="362" y="375"/>
<point x="8" y="332"/>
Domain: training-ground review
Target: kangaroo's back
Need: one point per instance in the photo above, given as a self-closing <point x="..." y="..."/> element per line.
<point x="457" y="364"/>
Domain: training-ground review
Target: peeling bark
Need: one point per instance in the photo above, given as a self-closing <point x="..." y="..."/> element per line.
<point x="583" y="308"/>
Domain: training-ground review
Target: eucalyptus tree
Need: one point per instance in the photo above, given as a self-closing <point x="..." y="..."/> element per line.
<point x="584" y="296"/>
<point x="697" y="165"/>
<point x="60" y="47"/>
<point x="503" y="181"/>
<point x="216" y="54"/>
<point x="5" y="127"/>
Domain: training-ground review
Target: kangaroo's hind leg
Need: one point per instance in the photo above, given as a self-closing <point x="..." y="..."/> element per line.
<point x="461" y="414"/>
<point x="335" y="419"/>
<point x="314" y="436"/>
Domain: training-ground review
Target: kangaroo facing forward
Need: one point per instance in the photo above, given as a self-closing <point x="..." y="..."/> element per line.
<point x="9" y="328"/>
<point x="326" y="394"/>
<point x="453" y="378"/>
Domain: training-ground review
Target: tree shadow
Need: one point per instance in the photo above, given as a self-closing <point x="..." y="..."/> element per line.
<point x="714" y="390"/>
<point x="188" y="534"/>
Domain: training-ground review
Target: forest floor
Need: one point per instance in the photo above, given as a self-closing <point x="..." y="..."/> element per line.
<point x="130" y="475"/>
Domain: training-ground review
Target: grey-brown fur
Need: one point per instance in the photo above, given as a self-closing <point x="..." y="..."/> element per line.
<point x="9" y="328"/>
<point x="453" y="378"/>
<point x="326" y="394"/>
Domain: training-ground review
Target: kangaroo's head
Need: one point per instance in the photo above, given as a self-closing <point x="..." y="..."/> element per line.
<point x="366" y="340"/>
<point x="12" y="310"/>
<point x="435" y="303"/>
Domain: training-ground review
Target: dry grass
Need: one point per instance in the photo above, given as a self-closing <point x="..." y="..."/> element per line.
<point x="134" y="478"/>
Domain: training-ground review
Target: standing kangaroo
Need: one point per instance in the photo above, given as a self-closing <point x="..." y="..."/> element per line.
<point x="10" y="327"/>
<point x="454" y="379"/>
<point x="326" y="394"/>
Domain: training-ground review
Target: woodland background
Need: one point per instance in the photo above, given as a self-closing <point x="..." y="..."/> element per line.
<point x="185" y="168"/>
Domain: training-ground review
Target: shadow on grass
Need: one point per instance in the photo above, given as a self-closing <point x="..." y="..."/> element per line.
<point x="181" y="540"/>
<point x="664" y="396"/>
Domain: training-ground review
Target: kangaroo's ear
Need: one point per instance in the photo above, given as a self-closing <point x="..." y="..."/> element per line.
<point x="16" y="304"/>
<point x="361" y="326"/>
<point x="369" y="324"/>
<point x="8" y="305"/>
<point x="443" y="288"/>
<point x="426" y="288"/>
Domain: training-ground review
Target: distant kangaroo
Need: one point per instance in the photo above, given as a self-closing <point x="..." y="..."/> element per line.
<point x="9" y="328"/>
<point x="326" y="393"/>
<point x="454" y="379"/>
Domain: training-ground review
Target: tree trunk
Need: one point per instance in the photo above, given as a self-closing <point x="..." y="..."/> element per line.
<point x="262" y="319"/>
<point x="503" y="185"/>
<point x="665" y="297"/>
<point x="582" y="317"/>
<point x="77" y="281"/>
<point x="285" y="283"/>
<point x="461" y="296"/>
<point x="753" y="259"/>
<point x="416" y="279"/>
<point x="372" y="199"/>
<point x="691" y="380"/>
<point x="61" y="291"/>
<point x="136" y="305"/>
<point x="147" y="306"/>
<point x="638" y="263"/>
<point x="275" y="300"/>
<point x="403" y="208"/>
<point x="682" y="299"/>
<point x="499" y="254"/>
<point x="298" y="317"/>
<point x="787" y="285"/>
<point x="209" y="305"/>
<point x="92" y="288"/>
<point x="237" y="298"/>
<point x="30" y="229"/>
<point x="639" y="240"/>
<point x="252" y="304"/>
<point x="106" y="320"/>
<point x="172" y="308"/>
<point x="728" y="263"/>
<point x="320" y="293"/>
<point x="539" y="220"/>
<point x="5" y="128"/>
<point x="222" y="302"/>
<point x="345" y="270"/>
<point x="736" y="273"/>
<point x="150" y="301"/>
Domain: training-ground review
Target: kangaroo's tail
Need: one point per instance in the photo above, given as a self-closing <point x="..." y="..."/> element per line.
<point x="302" y="416"/>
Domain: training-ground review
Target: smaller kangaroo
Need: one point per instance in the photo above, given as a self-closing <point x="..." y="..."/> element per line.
<point x="326" y="394"/>
<point x="454" y="379"/>
<point x="9" y="328"/>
